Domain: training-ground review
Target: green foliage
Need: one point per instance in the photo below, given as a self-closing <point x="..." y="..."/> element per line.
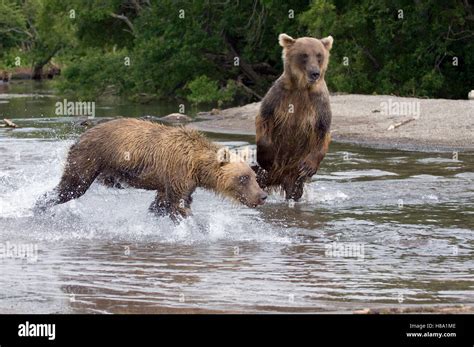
<point x="52" y="33"/>
<point x="96" y="73"/>
<point x="168" y="51"/>
<point x="185" y="49"/>
<point x="205" y="90"/>
<point x="12" y="25"/>
<point x="8" y="60"/>
<point x="28" y="29"/>
<point x="409" y="56"/>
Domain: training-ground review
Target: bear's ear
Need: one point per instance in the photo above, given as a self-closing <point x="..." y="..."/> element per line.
<point x="327" y="42"/>
<point x="285" y="41"/>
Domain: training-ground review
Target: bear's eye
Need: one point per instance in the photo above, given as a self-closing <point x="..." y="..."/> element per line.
<point x="319" y="56"/>
<point x="244" y="179"/>
<point x="304" y="56"/>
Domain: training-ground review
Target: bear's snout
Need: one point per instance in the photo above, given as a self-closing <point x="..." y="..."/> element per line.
<point x="263" y="197"/>
<point x="256" y="197"/>
<point x="313" y="75"/>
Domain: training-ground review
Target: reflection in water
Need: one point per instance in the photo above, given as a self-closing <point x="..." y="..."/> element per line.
<point x="412" y="212"/>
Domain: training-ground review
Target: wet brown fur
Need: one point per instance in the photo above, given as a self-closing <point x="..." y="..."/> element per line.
<point x="291" y="145"/>
<point x="174" y="161"/>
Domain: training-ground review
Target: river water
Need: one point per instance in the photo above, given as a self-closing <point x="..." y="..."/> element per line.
<point x="376" y="228"/>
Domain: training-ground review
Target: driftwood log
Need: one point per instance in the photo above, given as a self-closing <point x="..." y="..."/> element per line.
<point x="9" y="123"/>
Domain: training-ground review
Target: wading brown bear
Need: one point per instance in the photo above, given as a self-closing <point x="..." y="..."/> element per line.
<point x="173" y="161"/>
<point x="295" y="117"/>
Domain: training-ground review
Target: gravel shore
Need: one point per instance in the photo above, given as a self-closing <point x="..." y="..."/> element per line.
<point x="375" y="120"/>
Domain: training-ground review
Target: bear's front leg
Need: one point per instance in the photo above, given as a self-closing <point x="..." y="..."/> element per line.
<point x="160" y="206"/>
<point x="169" y="205"/>
<point x="179" y="210"/>
<point x="293" y="187"/>
<point x="309" y="166"/>
<point x="262" y="176"/>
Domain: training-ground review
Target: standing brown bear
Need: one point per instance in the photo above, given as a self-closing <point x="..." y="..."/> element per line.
<point x="172" y="161"/>
<point x="295" y="117"/>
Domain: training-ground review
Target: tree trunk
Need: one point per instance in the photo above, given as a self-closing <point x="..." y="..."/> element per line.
<point x="38" y="66"/>
<point x="37" y="73"/>
<point x="247" y="69"/>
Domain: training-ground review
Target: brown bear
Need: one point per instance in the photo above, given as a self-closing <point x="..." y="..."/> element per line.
<point x="174" y="161"/>
<point x="294" y="119"/>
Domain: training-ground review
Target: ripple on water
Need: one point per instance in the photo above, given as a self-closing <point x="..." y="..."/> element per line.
<point x="439" y="160"/>
<point x="465" y="175"/>
<point x="425" y="177"/>
<point x="351" y="174"/>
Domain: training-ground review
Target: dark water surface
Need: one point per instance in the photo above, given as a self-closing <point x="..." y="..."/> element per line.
<point x="375" y="228"/>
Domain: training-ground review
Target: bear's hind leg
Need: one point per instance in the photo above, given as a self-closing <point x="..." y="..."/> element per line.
<point x="74" y="186"/>
<point x="74" y="183"/>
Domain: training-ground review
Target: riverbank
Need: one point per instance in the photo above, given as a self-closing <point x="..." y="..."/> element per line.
<point x="375" y="121"/>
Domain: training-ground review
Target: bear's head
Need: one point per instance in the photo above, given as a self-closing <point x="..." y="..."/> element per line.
<point x="238" y="181"/>
<point x="305" y="59"/>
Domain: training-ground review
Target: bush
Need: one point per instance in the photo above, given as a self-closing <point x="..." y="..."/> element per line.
<point x="95" y="74"/>
<point x="205" y="90"/>
<point x="8" y="61"/>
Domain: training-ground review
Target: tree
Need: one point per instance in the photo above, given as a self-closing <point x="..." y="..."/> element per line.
<point x="36" y="27"/>
<point x="13" y="29"/>
<point x="421" y="48"/>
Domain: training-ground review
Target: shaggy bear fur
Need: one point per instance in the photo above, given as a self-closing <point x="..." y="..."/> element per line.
<point x="172" y="161"/>
<point x="295" y="117"/>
